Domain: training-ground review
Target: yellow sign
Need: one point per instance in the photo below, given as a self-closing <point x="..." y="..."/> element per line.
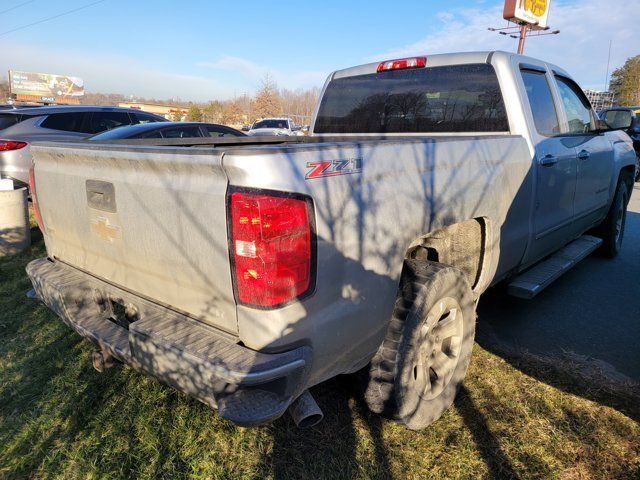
<point x="532" y="12"/>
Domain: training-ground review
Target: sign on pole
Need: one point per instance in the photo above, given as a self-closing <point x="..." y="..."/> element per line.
<point x="532" y="12"/>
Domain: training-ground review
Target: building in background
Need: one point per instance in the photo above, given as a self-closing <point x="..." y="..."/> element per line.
<point x="170" y="112"/>
<point x="600" y="100"/>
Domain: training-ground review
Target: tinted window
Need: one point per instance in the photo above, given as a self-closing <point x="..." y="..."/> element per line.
<point x="216" y="131"/>
<point x="576" y="106"/>
<point x="140" y="117"/>
<point x="181" y="132"/>
<point x="543" y="109"/>
<point x="460" y="98"/>
<point x="68" y="122"/>
<point x="153" y="134"/>
<point x="7" y="120"/>
<point x="271" y="124"/>
<point x="101" y="121"/>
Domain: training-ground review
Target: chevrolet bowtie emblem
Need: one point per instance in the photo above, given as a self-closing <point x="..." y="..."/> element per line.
<point x="103" y="229"/>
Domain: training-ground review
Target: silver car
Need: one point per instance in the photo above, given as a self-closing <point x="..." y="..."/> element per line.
<point x="274" y="126"/>
<point x="20" y="126"/>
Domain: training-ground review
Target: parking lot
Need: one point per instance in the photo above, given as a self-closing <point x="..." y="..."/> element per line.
<point x="592" y="313"/>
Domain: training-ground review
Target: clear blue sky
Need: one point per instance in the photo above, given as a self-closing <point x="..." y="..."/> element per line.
<point x="213" y="49"/>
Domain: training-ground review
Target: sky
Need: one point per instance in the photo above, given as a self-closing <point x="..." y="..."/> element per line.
<point x="205" y="50"/>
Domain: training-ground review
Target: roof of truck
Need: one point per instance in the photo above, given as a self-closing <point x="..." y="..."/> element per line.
<point x="442" y="59"/>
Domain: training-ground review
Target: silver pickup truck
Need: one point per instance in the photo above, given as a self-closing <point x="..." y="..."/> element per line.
<point x="245" y="271"/>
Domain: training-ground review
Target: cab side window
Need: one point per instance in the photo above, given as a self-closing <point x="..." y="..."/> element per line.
<point x="576" y="106"/>
<point x="541" y="102"/>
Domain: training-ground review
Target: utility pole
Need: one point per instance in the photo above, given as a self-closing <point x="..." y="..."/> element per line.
<point x="606" y="78"/>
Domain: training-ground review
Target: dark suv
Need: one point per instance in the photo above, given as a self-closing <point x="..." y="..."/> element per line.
<point x="628" y="119"/>
<point x="22" y="125"/>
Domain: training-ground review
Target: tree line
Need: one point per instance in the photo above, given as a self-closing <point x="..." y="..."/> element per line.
<point x="268" y="101"/>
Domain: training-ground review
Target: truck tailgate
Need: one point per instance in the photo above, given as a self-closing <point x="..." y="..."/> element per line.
<point x="152" y="221"/>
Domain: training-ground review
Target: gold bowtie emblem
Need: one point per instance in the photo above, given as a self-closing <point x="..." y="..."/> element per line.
<point x="103" y="229"/>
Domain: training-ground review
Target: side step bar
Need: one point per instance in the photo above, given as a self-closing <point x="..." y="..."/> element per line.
<point x="531" y="282"/>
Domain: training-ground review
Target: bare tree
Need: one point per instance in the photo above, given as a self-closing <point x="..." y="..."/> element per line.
<point x="267" y="102"/>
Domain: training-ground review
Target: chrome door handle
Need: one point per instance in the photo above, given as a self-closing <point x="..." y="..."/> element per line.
<point x="584" y="155"/>
<point x="548" y="160"/>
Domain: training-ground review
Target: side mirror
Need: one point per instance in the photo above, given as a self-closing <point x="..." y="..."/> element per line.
<point x="618" y="119"/>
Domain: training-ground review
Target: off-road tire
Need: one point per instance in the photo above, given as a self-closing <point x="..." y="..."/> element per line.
<point x="611" y="230"/>
<point x="395" y="384"/>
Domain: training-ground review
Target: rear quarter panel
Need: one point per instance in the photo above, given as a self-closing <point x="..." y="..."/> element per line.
<point x="367" y="220"/>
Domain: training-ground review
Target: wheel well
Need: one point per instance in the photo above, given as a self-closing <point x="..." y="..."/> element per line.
<point x="628" y="173"/>
<point x="462" y="245"/>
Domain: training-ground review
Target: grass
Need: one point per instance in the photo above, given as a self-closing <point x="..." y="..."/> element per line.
<point x="61" y="419"/>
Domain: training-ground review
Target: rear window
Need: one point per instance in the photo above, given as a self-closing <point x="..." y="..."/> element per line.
<point x="145" y="118"/>
<point x="181" y="132"/>
<point x="458" y="98"/>
<point x="127" y="131"/>
<point x="271" y="124"/>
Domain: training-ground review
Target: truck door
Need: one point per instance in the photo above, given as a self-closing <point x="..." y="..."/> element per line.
<point x="594" y="152"/>
<point x="555" y="167"/>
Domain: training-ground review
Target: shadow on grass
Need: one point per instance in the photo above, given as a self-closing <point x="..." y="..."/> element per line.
<point x="495" y="459"/>
<point x="330" y="449"/>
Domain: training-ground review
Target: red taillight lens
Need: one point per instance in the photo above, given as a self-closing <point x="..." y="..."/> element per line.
<point x="402" y="64"/>
<point x="6" y="145"/>
<point x="34" y="198"/>
<point x="272" y="247"/>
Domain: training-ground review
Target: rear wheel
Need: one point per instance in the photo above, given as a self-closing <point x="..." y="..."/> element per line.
<point x="418" y="369"/>
<point x="611" y="230"/>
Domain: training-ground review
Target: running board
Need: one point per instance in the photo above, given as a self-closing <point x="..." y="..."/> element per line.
<point x="533" y="281"/>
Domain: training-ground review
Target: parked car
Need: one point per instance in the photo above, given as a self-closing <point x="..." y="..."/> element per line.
<point x="168" y="130"/>
<point x="627" y="118"/>
<point x="21" y="125"/>
<point x="245" y="273"/>
<point x="273" y="126"/>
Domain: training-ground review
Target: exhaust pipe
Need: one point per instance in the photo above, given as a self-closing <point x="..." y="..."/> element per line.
<point x="102" y="360"/>
<point x="305" y="411"/>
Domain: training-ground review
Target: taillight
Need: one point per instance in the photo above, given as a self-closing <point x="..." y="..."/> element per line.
<point x="34" y="198"/>
<point x="272" y="247"/>
<point x="402" y="64"/>
<point x="6" y="145"/>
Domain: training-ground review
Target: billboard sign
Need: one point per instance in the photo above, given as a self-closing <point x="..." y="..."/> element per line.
<point x="532" y="12"/>
<point x="45" y="86"/>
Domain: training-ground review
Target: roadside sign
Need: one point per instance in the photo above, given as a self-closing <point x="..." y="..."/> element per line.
<point x="45" y="87"/>
<point x="532" y="12"/>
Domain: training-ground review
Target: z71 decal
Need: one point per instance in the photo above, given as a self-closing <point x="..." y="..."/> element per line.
<point x="331" y="168"/>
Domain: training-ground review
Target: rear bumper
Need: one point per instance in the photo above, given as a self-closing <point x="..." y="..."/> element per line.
<point x="247" y="387"/>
